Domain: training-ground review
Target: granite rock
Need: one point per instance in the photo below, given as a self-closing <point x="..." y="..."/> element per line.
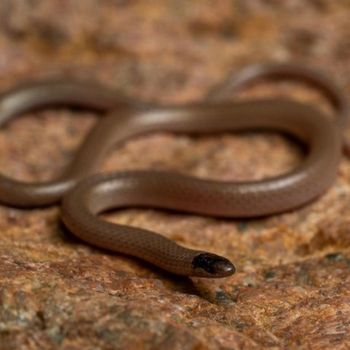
<point x="291" y="290"/>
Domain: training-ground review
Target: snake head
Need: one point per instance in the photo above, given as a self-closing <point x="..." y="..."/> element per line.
<point x="212" y="265"/>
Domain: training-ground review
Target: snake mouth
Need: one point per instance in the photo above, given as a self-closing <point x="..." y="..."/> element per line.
<point x="212" y="265"/>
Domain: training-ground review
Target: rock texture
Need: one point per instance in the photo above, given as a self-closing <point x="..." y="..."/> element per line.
<point x="291" y="290"/>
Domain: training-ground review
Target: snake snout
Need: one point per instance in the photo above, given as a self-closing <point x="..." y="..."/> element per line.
<point x="212" y="265"/>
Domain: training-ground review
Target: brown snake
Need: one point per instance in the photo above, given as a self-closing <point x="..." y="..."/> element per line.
<point x="85" y="197"/>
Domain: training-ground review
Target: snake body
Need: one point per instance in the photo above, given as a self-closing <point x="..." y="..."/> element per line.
<point x="86" y="196"/>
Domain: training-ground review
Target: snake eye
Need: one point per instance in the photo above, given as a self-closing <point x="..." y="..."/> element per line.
<point x="211" y="265"/>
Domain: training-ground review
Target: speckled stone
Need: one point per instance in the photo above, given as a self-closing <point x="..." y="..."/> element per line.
<point x="291" y="290"/>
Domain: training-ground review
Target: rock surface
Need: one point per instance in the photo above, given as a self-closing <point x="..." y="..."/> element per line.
<point x="291" y="290"/>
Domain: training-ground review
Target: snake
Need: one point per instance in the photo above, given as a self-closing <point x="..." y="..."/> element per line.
<point x="84" y="193"/>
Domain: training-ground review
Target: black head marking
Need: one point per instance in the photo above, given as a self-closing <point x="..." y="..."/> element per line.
<point x="211" y="265"/>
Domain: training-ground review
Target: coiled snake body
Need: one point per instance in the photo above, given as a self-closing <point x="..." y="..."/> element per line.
<point x="84" y="197"/>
